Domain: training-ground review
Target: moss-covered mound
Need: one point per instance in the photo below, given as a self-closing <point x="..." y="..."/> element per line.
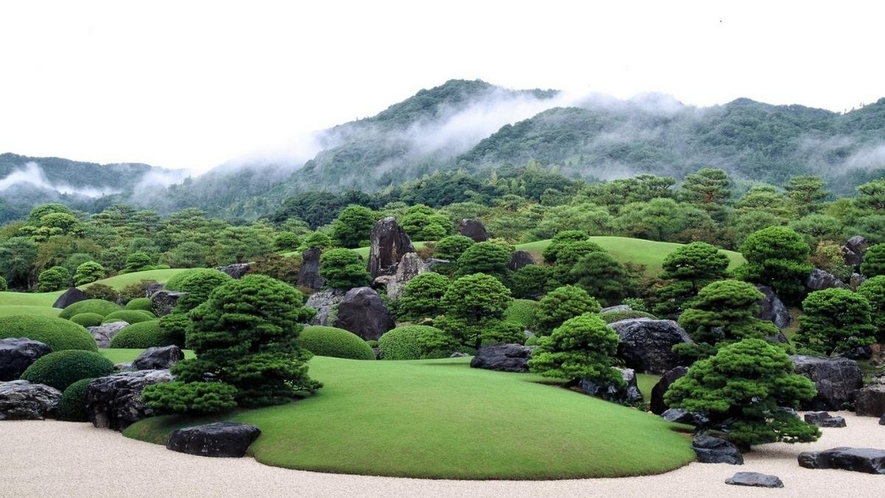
<point x="178" y="282"/>
<point x="521" y="311"/>
<point x="129" y="316"/>
<point x="87" y="319"/>
<point x="99" y="306"/>
<point x="142" y="335"/>
<point x="55" y="332"/>
<point x="335" y="342"/>
<point x="60" y="369"/>
<point x="616" y="316"/>
<point x="416" y="342"/>
<point x="139" y="303"/>
<point x="72" y="406"/>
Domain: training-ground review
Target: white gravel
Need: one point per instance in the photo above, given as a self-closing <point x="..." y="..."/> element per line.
<point x="61" y="459"/>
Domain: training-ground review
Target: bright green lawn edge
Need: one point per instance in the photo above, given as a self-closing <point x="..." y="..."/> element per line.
<point x="124" y="355"/>
<point x="441" y="419"/>
<point x="33" y="310"/>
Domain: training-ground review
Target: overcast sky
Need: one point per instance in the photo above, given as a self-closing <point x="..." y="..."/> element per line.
<point x="185" y="84"/>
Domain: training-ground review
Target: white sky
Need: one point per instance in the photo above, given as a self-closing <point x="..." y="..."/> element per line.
<point x="187" y="84"/>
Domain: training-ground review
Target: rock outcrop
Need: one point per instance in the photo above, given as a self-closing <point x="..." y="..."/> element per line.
<point x="21" y="400"/>
<point x="389" y="243"/>
<point x="867" y="460"/>
<point x="616" y="394"/>
<point x="518" y="259"/>
<point x="362" y="312"/>
<point x="236" y="270"/>
<point x="114" y="402"/>
<point x="647" y="345"/>
<point x="326" y="304"/>
<point x="69" y="297"/>
<point x="656" y="403"/>
<point x="473" y="229"/>
<point x="870" y="401"/>
<point x="820" y="280"/>
<point x="503" y="357"/>
<point x="853" y="251"/>
<point x="158" y="358"/>
<point x="17" y="354"/>
<point x="309" y="274"/>
<point x="221" y="439"/>
<point x="837" y="381"/>
<point x="105" y="332"/>
<point x="716" y="450"/>
<point x="771" y="308"/>
<point x="409" y="267"/>
<point x="163" y="301"/>
<point x="755" y="479"/>
<point x="824" y="419"/>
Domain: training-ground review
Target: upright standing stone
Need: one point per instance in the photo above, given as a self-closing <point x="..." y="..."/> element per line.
<point x="364" y="313"/>
<point x="389" y="243"/>
<point x="70" y="296"/>
<point x="16" y="355"/>
<point x="473" y="229"/>
<point x="309" y="274"/>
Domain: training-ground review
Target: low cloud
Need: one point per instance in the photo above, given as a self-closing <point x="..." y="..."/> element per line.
<point x="33" y="174"/>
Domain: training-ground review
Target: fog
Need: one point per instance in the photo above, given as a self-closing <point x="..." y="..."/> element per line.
<point x="33" y="174"/>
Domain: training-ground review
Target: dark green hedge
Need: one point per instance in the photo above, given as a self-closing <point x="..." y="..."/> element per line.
<point x="62" y="368"/>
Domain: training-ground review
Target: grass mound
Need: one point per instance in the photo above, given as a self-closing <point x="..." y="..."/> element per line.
<point x="87" y="319"/>
<point x="442" y="419"/>
<point x="60" y="369"/>
<point x="57" y="333"/>
<point x="141" y="335"/>
<point x="139" y="303"/>
<point x="72" y="405"/>
<point x="99" y="306"/>
<point x="130" y="316"/>
<point x="416" y="342"/>
<point x="335" y="342"/>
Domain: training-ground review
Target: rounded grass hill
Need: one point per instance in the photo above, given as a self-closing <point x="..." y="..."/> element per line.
<point x="57" y="333"/>
<point x="99" y="306"/>
<point x="335" y="342"/>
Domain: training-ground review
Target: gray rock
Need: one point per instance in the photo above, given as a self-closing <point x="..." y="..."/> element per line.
<point x="867" y="460"/>
<point x="647" y="345"/>
<point x="518" y="259"/>
<point x="326" y="304"/>
<point x="105" y="332"/>
<point x="870" y="401"/>
<point x="309" y="274"/>
<point x="503" y="357"/>
<point x="882" y="420"/>
<point x="69" y="297"/>
<point x="124" y="367"/>
<point x="163" y="302"/>
<point x="771" y="308"/>
<point x="824" y="419"/>
<point x="623" y="395"/>
<point x="837" y="380"/>
<point x="853" y="251"/>
<point x="656" y="403"/>
<point x="158" y="358"/>
<point x="716" y="450"/>
<point x="755" y="479"/>
<point x="236" y="270"/>
<point x="409" y="267"/>
<point x="681" y="416"/>
<point x="221" y="439"/>
<point x="473" y="229"/>
<point x="856" y="280"/>
<point x="389" y="243"/>
<point x="820" y="280"/>
<point x="114" y="402"/>
<point x="17" y="354"/>
<point x="21" y="400"/>
<point x="364" y="313"/>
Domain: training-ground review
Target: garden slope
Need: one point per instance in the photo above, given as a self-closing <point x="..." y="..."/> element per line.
<point x="442" y="419"/>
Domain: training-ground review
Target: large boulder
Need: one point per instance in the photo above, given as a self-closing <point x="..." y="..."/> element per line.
<point x="158" y="358"/>
<point x="503" y="357"/>
<point x="114" y="402"/>
<point x="221" y="439"/>
<point x="309" y="274"/>
<point x="824" y="419"/>
<point x="837" y="381"/>
<point x="820" y="280"/>
<point x="853" y="251"/>
<point x="656" y="403"/>
<point x="326" y="304"/>
<point x="69" y="297"/>
<point x="868" y="460"/>
<point x="105" y="332"/>
<point x="473" y="229"/>
<point x="518" y="259"/>
<point x="682" y="416"/>
<point x="236" y="270"/>
<point x="870" y="401"/>
<point x="163" y="301"/>
<point x="711" y="449"/>
<point x="755" y="479"/>
<point x="647" y="345"/>
<point x="626" y="395"/>
<point x="389" y="243"/>
<point x="771" y="308"/>
<point x="21" y="400"/>
<point x="16" y="355"/>
<point x="364" y="313"/>
<point x="409" y="267"/>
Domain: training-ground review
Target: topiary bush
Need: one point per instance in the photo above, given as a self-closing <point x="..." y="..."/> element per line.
<point x="616" y="316"/>
<point x="57" y="333"/>
<point x="142" y="335"/>
<point x="72" y="405"/>
<point x="416" y="342"/>
<point x="197" y="284"/>
<point x="102" y="291"/>
<point x="335" y="342"/>
<point x="139" y="303"/>
<point x="176" y="282"/>
<point x="87" y="319"/>
<point x="60" y="369"/>
<point x="99" y="306"/>
<point x="521" y="311"/>
<point x="129" y="316"/>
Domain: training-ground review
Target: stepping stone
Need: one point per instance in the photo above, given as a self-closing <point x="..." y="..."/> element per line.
<point x="755" y="479"/>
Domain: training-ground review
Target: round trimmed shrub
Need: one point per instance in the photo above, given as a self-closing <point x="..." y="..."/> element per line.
<point x="87" y="319"/>
<point x="416" y="342"/>
<point x="177" y="281"/>
<point x="139" y="303"/>
<point x="335" y="342"/>
<point x="57" y="333"/>
<point x="72" y="405"/>
<point x="617" y="316"/>
<point x="142" y="335"/>
<point x="99" y="306"/>
<point x="197" y="284"/>
<point x="129" y="316"/>
<point x="60" y="369"/>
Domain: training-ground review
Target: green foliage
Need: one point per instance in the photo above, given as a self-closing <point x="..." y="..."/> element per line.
<point x="422" y="297"/>
<point x="521" y="311"/>
<point x="529" y="281"/>
<point x="805" y="192"/>
<point x="194" y="398"/>
<point x="53" y="279"/>
<point x="873" y="261"/>
<point x="835" y="320"/>
<point x="87" y="319"/>
<point x="335" y="342"/>
<point x="474" y="307"/>
<point x="602" y="277"/>
<point x="173" y="328"/>
<point x="873" y="290"/>
<point x="484" y="257"/>
<point x="343" y="269"/>
<point x="141" y="335"/>
<point x="617" y="316"/>
<point x="688" y="269"/>
<point x="88" y="272"/>
<point x="60" y="369"/>
<point x="72" y="405"/>
<point x="136" y="290"/>
<point x="283" y="268"/>
<point x="130" y="316"/>
<point x="416" y="342"/>
<point x="776" y="257"/>
<point x="99" y="306"/>
<point x="137" y="261"/>
<point x="452" y="247"/>
<point x="743" y="389"/>
<point x="197" y="284"/>
<point x="3" y="284"/>
<point x="140" y="303"/>
<point x="57" y="333"/>
<point x="871" y="195"/>
<point x="102" y="292"/>
<point x="353" y="226"/>
<point x="315" y="239"/>
<point x="583" y="347"/>
<point x="560" y="240"/>
<point x="561" y="304"/>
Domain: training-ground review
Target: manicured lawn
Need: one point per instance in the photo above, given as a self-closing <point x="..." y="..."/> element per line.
<point x="442" y="419"/>
<point x="28" y="298"/>
<point x="6" y="310"/>
<point x="121" y="281"/>
<point x="645" y="383"/>
<point x="128" y="355"/>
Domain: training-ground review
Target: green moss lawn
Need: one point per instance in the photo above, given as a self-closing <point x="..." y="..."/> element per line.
<point x="442" y="419"/>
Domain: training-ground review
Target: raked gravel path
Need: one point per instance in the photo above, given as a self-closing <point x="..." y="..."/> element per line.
<point x="59" y="459"/>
